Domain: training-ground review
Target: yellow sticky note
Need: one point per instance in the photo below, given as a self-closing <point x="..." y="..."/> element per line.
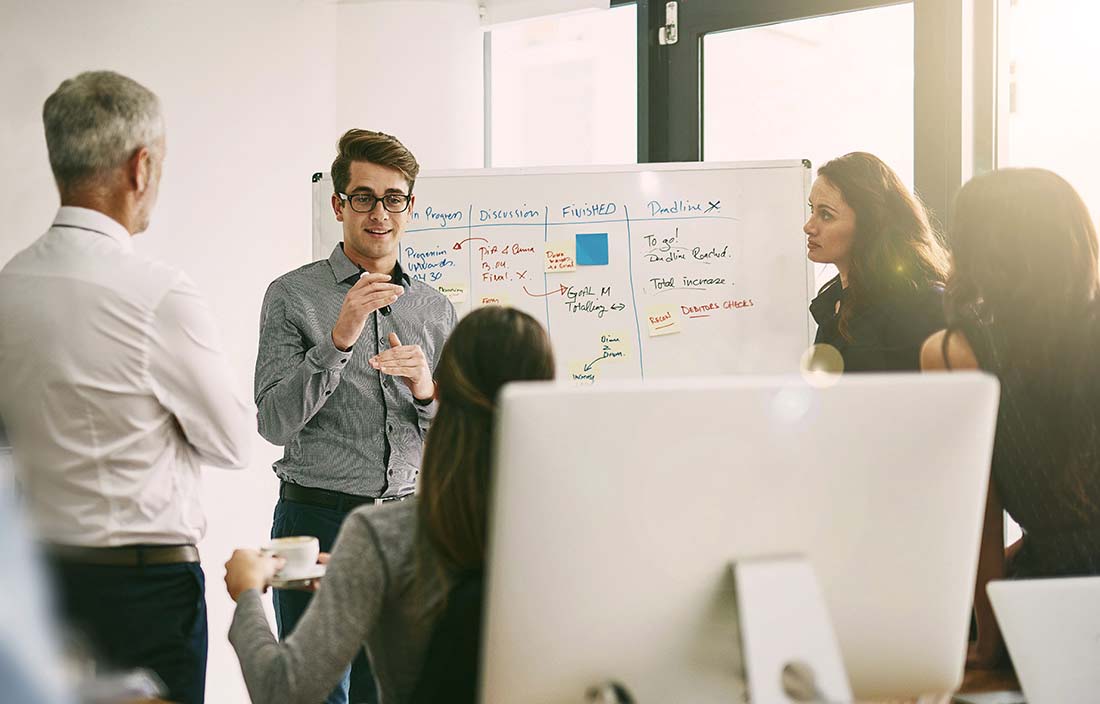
<point x="582" y="373"/>
<point x="561" y="256"/>
<point x="499" y="300"/>
<point x="663" y="320"/>
<point x="455" y="293"/>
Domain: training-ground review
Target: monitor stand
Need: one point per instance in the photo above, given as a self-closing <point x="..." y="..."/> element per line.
<point x="789" y="652"/>
<point x="789" y="649"/>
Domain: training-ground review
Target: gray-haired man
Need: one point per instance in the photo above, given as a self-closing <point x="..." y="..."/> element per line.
<point x="114" y="391"/>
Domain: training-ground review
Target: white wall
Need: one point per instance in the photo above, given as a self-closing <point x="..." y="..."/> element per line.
<point x="255" y="94"/>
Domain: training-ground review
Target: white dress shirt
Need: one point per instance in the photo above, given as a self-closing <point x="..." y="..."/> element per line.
<point x="113" y="388"/>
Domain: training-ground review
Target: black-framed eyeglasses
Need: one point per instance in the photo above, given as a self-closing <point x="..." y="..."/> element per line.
<point x="365" y="202"/>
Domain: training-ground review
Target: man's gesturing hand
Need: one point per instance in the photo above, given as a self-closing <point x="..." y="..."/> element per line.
<point x="369" y="293"/>
<point x="408" y="362"/>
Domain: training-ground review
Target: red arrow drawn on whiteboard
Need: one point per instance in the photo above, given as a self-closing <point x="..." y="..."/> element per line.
<point x="560" y="290"/>
<point x="458" y="245"/>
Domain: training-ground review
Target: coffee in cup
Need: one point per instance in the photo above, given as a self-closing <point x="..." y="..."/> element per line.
<point x="299" y="551"/>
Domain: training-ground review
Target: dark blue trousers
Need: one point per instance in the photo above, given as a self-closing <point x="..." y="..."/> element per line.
<point x="150" y="617"/>
<point x="293" y="518"/>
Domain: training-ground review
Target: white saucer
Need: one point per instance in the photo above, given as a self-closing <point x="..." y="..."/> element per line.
<point x="298" y="579"/>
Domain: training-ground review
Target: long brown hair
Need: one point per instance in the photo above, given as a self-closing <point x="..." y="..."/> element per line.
<point x="894" y="248"/>
<point x="488" y="348"/>
<point x="1024" y="254"/>
<point x="1024" y="283"/>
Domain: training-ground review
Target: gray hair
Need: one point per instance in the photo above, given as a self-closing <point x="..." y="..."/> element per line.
<point x="95" y="122"/>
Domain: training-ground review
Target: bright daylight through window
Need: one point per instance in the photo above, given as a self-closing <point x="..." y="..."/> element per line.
<point x="564" y="90"/>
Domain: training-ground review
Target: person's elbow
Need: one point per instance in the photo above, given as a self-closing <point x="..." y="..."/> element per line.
<point x="239" y="455"/>
<point x="271" y="426"/>
<point x="232" y="449"/>
<point x="237" y="458"/>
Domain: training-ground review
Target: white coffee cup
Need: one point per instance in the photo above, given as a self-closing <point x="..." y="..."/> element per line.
<point x="299" y="551"/>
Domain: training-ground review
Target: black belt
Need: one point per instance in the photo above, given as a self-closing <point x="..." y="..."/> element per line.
<point x="126" y="556"/>
<point x="326" y="498"/>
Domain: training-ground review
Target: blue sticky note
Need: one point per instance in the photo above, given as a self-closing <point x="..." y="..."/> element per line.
<point x="592" y="249"/>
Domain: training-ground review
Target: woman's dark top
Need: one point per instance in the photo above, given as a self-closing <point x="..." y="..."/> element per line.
<point x="1046" y="456"/>
<point x="887" y="336"/>
<point x="450" y="672"/>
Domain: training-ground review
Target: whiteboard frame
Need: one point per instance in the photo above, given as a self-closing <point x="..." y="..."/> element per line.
<point x="615" y="168"/>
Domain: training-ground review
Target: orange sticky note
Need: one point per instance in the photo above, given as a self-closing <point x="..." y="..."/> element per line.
<point x="561" y="256"/>
<point x="663" y="320"/>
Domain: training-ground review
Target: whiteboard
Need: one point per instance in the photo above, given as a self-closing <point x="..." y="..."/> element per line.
<point x="655" y="270"/>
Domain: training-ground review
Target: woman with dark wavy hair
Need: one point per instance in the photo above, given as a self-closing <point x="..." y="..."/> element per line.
<point x="887" y="297"/>
<point x="1022" y="304"/>
<point x="393" y="566"/>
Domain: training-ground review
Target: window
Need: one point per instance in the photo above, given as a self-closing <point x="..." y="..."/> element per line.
<point x="1053" y="111"/>
<point x="1053" y="107"/>
<point x="564" y="90"/>
<point x="812" y="89"/>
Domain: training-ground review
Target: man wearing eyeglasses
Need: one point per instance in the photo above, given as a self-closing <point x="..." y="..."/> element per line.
<point x="344" y="381"/>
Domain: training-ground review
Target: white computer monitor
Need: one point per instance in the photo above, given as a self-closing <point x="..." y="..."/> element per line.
<point x="1052" y="629"/>
<point x="616" y="511"/>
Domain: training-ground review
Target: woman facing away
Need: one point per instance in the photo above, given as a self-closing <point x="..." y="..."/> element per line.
<point x="392" y="566"/>
<point x="1022" y="304"/>
<point x="888" y="296"/>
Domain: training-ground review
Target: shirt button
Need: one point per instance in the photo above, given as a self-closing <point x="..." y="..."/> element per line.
<point x="328" y="393"/>
<point x="343" y="361"/>
<point x="390" y="426"/>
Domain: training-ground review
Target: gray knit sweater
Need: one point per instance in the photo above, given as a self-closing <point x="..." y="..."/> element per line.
<point x="368" y="597"/>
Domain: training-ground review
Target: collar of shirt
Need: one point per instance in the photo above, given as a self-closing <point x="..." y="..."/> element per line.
<point x="93" y="221"/>
<point x="347" y="271"/>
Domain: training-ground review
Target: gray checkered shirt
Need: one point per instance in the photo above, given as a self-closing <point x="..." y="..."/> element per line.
<point x="343" y="425"/>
